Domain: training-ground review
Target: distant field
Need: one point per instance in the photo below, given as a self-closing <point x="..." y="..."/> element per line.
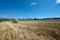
<point x="30" y="30"/>
<point x="4" y="19"/>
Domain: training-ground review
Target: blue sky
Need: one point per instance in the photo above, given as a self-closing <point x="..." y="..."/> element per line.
<point x="29" y="8"/>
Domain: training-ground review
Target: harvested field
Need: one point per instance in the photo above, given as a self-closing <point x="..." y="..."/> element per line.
<point x="30" y="30"/>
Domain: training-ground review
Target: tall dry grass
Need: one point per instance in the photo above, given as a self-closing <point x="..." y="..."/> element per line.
<point x="30" y="30"/>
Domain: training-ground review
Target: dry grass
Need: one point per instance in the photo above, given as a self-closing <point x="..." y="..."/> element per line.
<point x="30" y="30"/>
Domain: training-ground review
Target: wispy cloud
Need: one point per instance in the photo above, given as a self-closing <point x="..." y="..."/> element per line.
<point x="4" y="16"/>
<point x="57" y="1"/>
<point x="33" y="3"/>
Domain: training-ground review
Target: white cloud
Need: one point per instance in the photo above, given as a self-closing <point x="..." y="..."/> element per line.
<point x="33" y="3"/>
<point x="58" y="1"/>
